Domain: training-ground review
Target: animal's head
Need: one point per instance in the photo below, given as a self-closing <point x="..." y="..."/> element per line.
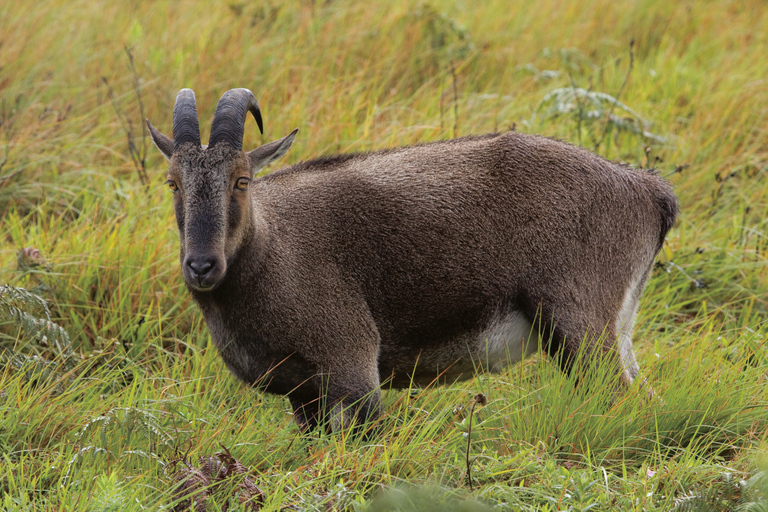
<point x="210" y="184"/>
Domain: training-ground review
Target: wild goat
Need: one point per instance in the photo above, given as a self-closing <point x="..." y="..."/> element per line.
<point x="322" y="280"/>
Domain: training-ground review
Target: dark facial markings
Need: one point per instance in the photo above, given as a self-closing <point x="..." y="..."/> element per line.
<point x="210" y="192"/>
<point x="205" y="201"/>
<point x="233" y="215"/>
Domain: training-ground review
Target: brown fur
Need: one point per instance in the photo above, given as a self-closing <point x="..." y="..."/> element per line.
<point x="344" y="272"/>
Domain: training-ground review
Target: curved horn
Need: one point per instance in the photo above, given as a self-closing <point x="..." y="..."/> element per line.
<point x="229" y="119"/>
<point x="185" y="126"/>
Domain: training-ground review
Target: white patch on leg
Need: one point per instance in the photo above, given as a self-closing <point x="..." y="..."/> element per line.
<point x="625" y="323"/>
<point x="506" y="341"/>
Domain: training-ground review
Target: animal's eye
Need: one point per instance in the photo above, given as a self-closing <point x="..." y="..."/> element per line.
<point x="242" y="183"/>
<point x="172" y="185"/>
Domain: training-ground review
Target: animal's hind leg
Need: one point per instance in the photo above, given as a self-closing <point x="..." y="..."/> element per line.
<point x="576" y="339"/>
<point x="560" y="336"/>
<point x="625" y="323"/>
<point x="570" y="331"/>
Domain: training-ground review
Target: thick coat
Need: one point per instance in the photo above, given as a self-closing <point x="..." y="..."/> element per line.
<point x="413" y="264"/>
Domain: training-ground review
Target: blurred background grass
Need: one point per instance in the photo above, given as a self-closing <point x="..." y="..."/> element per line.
<point x="680" y="86"/>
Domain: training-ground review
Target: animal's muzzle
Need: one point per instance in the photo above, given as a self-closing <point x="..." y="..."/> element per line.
<point x="203" y="272"/>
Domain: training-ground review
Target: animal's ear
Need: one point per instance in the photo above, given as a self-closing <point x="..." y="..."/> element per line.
<point x="163" y="143"/>
<point x="267" y="153"/>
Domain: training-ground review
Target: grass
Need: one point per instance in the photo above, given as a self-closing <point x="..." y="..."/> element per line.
<point x="95" y="426"/>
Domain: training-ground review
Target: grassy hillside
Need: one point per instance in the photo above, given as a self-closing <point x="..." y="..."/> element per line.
<point x="101" y="414"/>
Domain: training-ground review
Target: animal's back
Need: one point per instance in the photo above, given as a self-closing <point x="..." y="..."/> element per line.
<point x="451" y="242"/>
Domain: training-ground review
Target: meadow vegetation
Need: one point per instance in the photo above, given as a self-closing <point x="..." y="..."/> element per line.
<point x="109" y="383"/>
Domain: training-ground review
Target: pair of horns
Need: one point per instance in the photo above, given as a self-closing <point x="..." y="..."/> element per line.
<point x="228" y="121"/>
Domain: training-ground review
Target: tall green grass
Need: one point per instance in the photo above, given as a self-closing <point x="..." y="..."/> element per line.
<point x="96" y="429"/>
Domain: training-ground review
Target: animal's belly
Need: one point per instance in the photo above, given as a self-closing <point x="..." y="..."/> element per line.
<point x="507" y="339"/>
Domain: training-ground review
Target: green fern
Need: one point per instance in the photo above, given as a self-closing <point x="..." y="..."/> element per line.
<point x="725" y="493"/>
<point x="109" y="495"/>
<point x="16" y="304"/>
<point x="123" y="422"/>
<point x="588" y="107"/>
<point x="754" y="493"/>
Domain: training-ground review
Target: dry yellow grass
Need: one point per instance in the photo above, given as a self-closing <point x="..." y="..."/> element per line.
<point x="355" y="76"/>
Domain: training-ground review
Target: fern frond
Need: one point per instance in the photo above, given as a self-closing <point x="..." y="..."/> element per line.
<point x="593" y="106"/>
<point x="30" y="312"/>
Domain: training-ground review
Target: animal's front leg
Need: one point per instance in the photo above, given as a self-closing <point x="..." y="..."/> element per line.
<point x="339" y="401"/>
<point x="354" y="409"/>
<point x="339" y="351"/>
<point x="306" y="414"/>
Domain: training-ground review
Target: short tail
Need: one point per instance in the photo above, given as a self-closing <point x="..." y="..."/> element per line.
<point x="667" y="207"/>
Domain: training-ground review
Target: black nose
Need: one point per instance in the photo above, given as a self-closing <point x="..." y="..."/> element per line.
<point x="201" y="267"/>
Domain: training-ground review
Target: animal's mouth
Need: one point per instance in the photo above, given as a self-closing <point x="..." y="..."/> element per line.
<point x="204" y="283"/>
<point x="199" y="287"/>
